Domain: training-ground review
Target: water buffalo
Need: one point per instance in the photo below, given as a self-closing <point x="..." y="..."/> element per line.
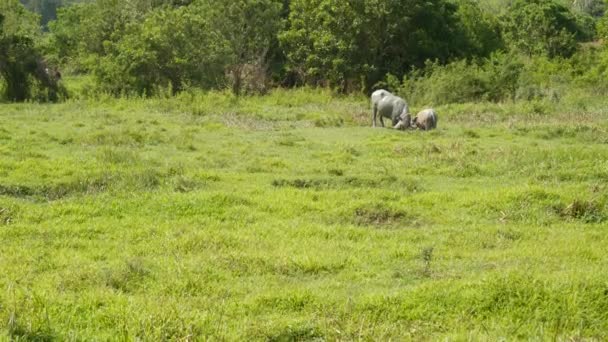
<point x="388" y="106"/>
<point x="425" y="119"/>
<point x="404" y="122"/>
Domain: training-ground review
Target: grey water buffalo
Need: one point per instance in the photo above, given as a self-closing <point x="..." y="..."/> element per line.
<point x="404" y="123"/>
<point x="425" y="119"/>
<point x="389" y="106"/>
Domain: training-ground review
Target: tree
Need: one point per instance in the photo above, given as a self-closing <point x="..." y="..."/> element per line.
<point x="18" y="20"/>
<point x="480" y="28"/>
<point x="248" y="28"/>
<point x="353" y="44"/>
<point x="540" y="27"/>
<point x="17" y="62"/>
<point x="21" y="65"/>
<point x="84" y="30"/>
<point x="171" y="48"/>
<point x="204" y="44"/>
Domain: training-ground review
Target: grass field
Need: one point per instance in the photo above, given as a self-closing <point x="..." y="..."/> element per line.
<point x="286" y="217"/>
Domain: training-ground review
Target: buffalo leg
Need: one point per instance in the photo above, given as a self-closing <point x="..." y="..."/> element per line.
<point x="374" y="110"/>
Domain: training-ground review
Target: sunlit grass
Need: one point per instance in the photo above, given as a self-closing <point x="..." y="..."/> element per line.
<point x="286" y="217"/>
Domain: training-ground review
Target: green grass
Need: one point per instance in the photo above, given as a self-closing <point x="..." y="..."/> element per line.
<point x="286" y="217"/>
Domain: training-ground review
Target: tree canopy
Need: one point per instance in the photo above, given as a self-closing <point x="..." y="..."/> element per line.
<point x="143" y="46"/>
<point x="345" y="42"/>
<point x="22" y="66"/>
<point x="541" y="27"/>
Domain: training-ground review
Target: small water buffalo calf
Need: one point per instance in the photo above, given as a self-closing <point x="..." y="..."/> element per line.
<point x="388" y="106"/>
<point x="425" y="120"/>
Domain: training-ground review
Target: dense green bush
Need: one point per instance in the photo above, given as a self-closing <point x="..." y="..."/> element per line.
<point x="495" y="78"/>
<point x="352" y="45"/>
<point x="481" y="29"/>
<point x="84" y="31"/>
<point x="24" y="73"/>
<point x="17" y="63"/>
<point x="155" y="54"/>
<point x="541" y="27"/>
<point x="505" y="77"/>
<point x="140" y="47"/>
<point x="436" y="51"/>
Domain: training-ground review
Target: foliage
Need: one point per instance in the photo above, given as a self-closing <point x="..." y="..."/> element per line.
<point x="346" y="43"/>
<point x="540" y="27"/>
<point x="168" y="46"/>
<point x="493" y="79"/>
<point x="248" y="29"/>
<point x="18" y="21"/>
<point x="47" y="9"/>
<point x="602" y="26"/>
<point x="587" y="27"/>
<point x="590" y="7"/>
<point x="506" y="77"/>
<point x="83" y="31"/>
<point x="17" y="62"/>
<point x="481" y="28"/>
<point x="156" y="53"/>
<point x="22" y="66"/>
<point x="139" y="49"/>
<point x="590" y="70"/>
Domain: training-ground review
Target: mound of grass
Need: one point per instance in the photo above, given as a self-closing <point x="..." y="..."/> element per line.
<point x="590" y="211"/>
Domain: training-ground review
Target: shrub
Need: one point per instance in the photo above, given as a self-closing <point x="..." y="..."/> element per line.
<point x="505" y="77"/>
<point x="541" y="27"/>
<point x="493" y="79"/>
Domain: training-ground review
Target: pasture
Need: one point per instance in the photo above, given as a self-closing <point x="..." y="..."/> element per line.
<point x="286" y="217"/>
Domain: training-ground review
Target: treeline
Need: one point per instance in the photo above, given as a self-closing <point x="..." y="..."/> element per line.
<point x="442" y="50"/>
